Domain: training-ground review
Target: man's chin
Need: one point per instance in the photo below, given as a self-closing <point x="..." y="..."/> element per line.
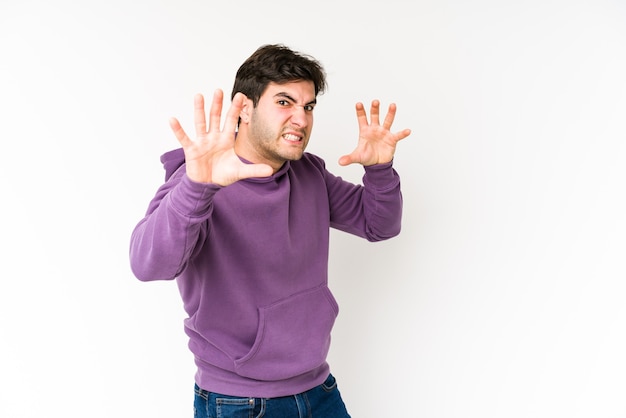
<point x="294" y="156"/>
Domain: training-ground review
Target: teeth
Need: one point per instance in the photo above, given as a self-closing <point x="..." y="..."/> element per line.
<point x="290" y="137"/>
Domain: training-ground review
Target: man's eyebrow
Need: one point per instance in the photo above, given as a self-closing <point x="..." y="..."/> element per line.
<point x="287" y="96"/>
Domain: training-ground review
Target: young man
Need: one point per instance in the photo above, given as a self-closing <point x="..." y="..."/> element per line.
<point x="242" y="222"/>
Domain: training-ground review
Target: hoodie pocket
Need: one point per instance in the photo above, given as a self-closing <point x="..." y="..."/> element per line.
<point x="293" y="336"/>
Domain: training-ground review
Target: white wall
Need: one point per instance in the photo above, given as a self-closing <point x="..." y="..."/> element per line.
<point x="504" y="294"/>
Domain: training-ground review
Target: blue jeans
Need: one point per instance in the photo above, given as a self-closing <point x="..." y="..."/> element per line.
<point x="323" y="401"/>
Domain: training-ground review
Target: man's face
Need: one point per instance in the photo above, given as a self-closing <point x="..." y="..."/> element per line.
<point x="281" y="123"/>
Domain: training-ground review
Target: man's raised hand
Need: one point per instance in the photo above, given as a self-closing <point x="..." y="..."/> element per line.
<point x="211" y="158"/>
<point x="377" y="144"/>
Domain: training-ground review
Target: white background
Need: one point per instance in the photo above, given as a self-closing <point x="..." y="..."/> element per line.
<point x="502" y="297"/>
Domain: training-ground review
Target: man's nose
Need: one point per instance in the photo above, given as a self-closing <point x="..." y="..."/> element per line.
<point x="299" y="116"/>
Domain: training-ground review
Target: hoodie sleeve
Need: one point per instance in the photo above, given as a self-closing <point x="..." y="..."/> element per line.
<point x="372" y="210"/>
<point x="176" y="220"/>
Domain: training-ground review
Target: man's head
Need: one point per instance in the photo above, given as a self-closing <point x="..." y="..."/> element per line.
<point x="276" y="119"/>
<point x="280" y="65"/>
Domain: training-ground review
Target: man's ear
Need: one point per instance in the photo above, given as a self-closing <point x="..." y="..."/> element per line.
<point x="246" y="110"/>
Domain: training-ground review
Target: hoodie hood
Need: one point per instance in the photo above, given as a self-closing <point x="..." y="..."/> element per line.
<point x="172" y="160"/>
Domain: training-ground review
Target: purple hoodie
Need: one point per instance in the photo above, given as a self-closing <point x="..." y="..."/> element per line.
<point x="251" y="263"/>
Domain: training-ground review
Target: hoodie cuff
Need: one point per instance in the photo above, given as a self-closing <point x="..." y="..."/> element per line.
<point x="193" y="199"/>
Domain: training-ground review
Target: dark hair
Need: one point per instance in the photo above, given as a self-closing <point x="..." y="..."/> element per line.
<point x="278" y="64"/>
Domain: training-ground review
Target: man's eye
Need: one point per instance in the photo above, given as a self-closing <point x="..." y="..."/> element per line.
<point x="309" y="108"/>
<point x="283" y="102"/>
